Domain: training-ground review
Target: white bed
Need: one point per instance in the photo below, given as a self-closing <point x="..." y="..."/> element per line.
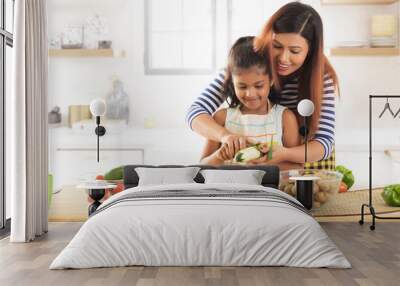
<point x="221" y="225"/>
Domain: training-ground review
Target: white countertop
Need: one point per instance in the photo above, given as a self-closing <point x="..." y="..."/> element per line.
<point x="346" y="140"/>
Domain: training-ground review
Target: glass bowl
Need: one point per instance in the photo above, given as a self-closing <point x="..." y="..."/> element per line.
<point x="324" y="188"/>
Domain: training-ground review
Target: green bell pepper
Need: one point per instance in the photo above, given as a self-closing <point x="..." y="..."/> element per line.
<point x="391" y="195"/>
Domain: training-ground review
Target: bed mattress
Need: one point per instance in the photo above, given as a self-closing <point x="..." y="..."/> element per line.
<point x="201" y="225"/>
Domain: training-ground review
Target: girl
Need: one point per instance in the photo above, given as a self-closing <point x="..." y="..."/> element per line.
<point x="251" y="112"/>
<point x="293" y="38"/>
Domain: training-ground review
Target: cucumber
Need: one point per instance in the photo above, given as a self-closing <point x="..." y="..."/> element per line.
<point x="248" y="154"/>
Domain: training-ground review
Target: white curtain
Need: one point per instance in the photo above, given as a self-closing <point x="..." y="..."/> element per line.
<point x="28" y="150"/>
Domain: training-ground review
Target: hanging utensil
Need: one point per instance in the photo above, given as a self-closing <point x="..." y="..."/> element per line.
<point x="387" y="107"/>
<point x="397" y="113"/>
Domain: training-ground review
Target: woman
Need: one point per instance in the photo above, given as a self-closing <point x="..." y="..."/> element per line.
<point x="293" y="38"/>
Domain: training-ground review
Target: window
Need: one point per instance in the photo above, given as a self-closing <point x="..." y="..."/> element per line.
<point x="180" y="36"/>
<point x="6" y="43"/>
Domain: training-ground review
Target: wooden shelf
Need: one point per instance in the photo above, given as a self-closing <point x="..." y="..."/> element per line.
<point x="358" y="2"/>
<point x="80" y="53"/>
<point x="365" y="51"/>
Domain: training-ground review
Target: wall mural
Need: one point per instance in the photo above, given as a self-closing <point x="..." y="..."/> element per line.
<point x="242" y="113"/>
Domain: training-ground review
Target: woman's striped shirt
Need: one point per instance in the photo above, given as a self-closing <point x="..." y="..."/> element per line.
<point x="212" y="97"/>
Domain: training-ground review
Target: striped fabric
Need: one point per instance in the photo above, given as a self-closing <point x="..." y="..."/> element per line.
<point x="206" y="194"/>
<point x="257" y="128"/>
<point x="212" y="97"/>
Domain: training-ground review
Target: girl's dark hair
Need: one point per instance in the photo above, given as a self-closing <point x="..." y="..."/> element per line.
<point x="301" y="19"/>
<point x="243" y="56"/>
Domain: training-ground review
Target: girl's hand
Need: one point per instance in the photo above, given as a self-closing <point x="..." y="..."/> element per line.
<point x="260" y="161"/>
<point x="235" y="143"/>
<point x="279" y="155"/>
<point x="224" y="153"/>
<point x="264" y="148"/>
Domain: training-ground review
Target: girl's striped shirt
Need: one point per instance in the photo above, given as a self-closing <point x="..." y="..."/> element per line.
<point x="212" y="97"/>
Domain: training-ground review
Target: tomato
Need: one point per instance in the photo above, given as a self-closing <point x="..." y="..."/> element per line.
<point x="342" y="187"/>
<point x="118" y="188"/>
<point x="99" y="177"/>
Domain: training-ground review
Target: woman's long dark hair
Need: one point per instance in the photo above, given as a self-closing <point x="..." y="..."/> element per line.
<point x="243" y="56"/>
<point x="301" y="19"/>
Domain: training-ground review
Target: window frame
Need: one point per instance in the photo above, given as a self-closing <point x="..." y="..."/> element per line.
<point x="148" y="70"/>
<point x="6" y="39"/>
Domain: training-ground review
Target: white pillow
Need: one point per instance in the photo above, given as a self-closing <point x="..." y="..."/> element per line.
<point x="165" y="176"/>
<point x="249" y="177"/>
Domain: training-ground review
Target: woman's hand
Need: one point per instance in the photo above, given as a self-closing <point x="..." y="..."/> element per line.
<point x="234" y="143"/>
<point x="278" y="159"/>
<point x="224" y="153"/>
<point x="279" y="155"/>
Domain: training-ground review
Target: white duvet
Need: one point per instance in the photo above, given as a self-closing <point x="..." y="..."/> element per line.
<point x="190" y="230"/>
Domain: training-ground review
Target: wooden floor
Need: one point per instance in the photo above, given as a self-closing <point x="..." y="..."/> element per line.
<point x="375" y="256"/>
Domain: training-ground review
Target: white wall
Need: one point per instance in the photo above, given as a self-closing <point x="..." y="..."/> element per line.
<point x="166" y="98"/>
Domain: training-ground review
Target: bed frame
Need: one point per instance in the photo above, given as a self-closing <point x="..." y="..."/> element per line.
<point x="270" y="179"/>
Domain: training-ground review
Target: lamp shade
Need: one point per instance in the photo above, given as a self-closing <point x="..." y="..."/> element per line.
<point x="98" y="107"/>
<point x="305" y="107"/>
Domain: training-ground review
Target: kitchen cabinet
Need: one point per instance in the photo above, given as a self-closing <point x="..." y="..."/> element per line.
<point x="73" y="165"/>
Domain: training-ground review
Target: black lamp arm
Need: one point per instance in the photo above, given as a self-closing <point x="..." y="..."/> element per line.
<point x="305" y="139"/>
<point x="100" y="131"/>
<point x="303" y="131"/>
